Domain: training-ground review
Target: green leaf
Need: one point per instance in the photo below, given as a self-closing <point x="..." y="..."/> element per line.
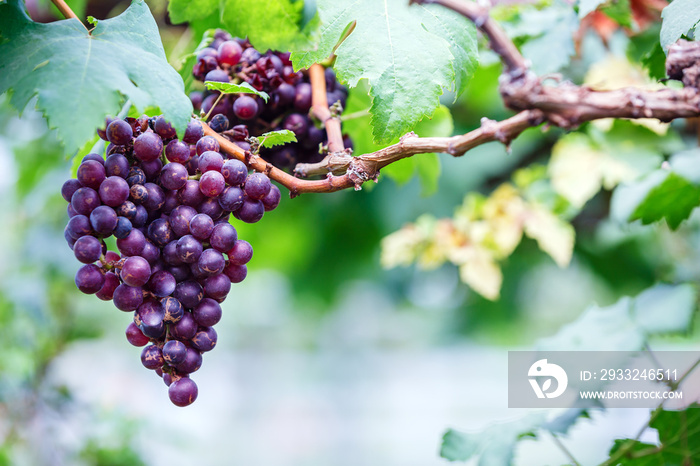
<point x="494" y="446"/>
<point x="620" y="12"/>
<point x="268" y="24"/>
<point x="588" y="6"/>
<point x="673" y="199"/>
<point x="552" y="30"/>
<point x="646" y="49"/>
<point x="231" y="88"/>
<point x="678" y="19"/>
<point x="84" y="77"/>
<point x="416" y="53"/>
<point x="277" y="138"/>
<point x="625" y="325"/>
<point x="679" y="441"/>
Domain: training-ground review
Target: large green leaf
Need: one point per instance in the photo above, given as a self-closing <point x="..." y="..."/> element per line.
<point x="409" y="55"/>
<point x="269" y="24"/>
<point x="80" y="77"/>
<point x="678" y="19"/>
<point x="679" y="441"/>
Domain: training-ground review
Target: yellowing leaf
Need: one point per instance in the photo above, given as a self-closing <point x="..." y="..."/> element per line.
<point x="399" y="248"/>
<point x="553" y="235"/>
<point x="482" y="274"/>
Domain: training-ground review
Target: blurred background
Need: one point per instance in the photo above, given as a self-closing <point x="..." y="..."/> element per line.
<point x="323" y="356"/>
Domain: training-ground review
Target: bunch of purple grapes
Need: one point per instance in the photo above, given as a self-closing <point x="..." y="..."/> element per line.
<point x="168" y="203"/>
<point x="228" y="59"/>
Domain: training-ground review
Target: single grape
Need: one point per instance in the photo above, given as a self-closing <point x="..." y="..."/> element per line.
<point x="162" y="283"/>
<point x="192" y="362"/>
<point x="298" y="124"/>
<point x="84" y="200"/>
<point x="272" y="198"/>
<point x="212" y="183"/>
<point x="236" y="273"/>
<point x="205" y="339"/>
<point x="171" y="201"/>
<point x="164" y="128"/>
<point x="211" y="262"/>
<point x="135" y="336"/>
<point x="114" y="191"/>
<point x="173" y="309"/>
<point x="189" y="293"/>
<point x="170" y="254"/>
<point x="229" y="53"/>
<point x="217" y="286"/>
<point x="234" y="171"/>
<point x="188" y="249"/>
<point x="78" y="225"/>
<point x="119" y="132"/>
<point x="241" y="253"/>
<point x="160" y="233"/>
<point x="250" y="55"/>
<point x="183" y="392"/>
<point x="251" y="211"/>
<point x="152" y="169"/>
<point x="148" y="147"/>
<point x="152" y="357"/>
<point x="136" y="271"/>
<point x="181" y="272"/>
<point x="207" y="143"/>
<point x="193" y="132"/>
<point x="240" y="132"/>
<point x="231" y="199"/>
<point x="185" y="328"/>
<point x="217" y="76"/>
<point x="211" y="207"/>
<point x="286" y="93"/>
<point x="103" y="220"/>
<point x="302" y="100"/>
<point x="174" y="352"/>
<point x="150" y="252"/>
<point x="141" y="217"/>
<point x="219" y="123"/>
<point x="156" y="197"/>
<point x="136" y="176"/>
<point x="257" y="186"/>
<point x="117" y="165"/>
<point x="207" y="312"/>
<point x="87" y="249"/>
<point x="190" y="194"/>
<point x="89" y="279"/>
<point x="133" y="244"/>
<point x="210" y="160"/>
<point x="201" y="226"/>
<point x="180" y="219"/>
<point x="69" y="188"/>
<point x="177" y="151"/>
<point x="223" y="237"/>
<point x="245" y="107"/>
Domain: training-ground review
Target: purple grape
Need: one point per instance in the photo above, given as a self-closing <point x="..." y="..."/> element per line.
<point x="95" y="157"/>
<point x="251" y="211"/>
<point x="106" y="293"/>
<point x="133" y="244"/>
<point x="207" y="312"/>
<point x="89" y="279"/>
<point x="180" y="219"/>
<point x="173" y="176"/>
<point x="141" y="216"/>
<point x="155" y="198"/>
<point x="201" y="226"/>
<point x="211" y="207"/>
<point x="231" y="199"/>
<point x="127" y="210"/>
<point x="219" y="123"/>
<point x="162" y="283"/>
<point x="210" y="105"/>
<point x="240" y="132"/>
<point x="87" y="249"/>
<point x="170" y="254"/>
<point x="185" y="328"/>
<point x="241" y="253"/>
<point x="192" y="362"/>
<point x="250" y="55"/>
<point x="223" y="237"/>
<point x="69" y="188"/>
<point x="181" y="272"/>
<point x="298" y="124"/>
<point x="229" y="53"/>
<point x="286" y="93"/>
<point x="174" y="352"/>
<point x="211" y="262"/>
<point x="150" y="252"/>
<point x="84" y="200"/>
<point x="164" y="129"/>
<point x="136" y="271"/>
<point x="217" y="286"/>
<point x="114" y="191"/>
<point x="119" y="132"/>
<point x="193" y="132"/>
<point x="152" y="357"/>
<point x="197" y="273"/>
<point x="79" y="225"/>
<point x="173" y="310"/>
<point x="135" y="176"/>
<point x="117" y="165"/>
<point x="217" y="75"/>
<point x="103" y="220"/>
<point x="177" y="151"/>
<point x="205" y="339"/>
<point x="302" y="100"/>
<point x="152" y="169"/>
<point x="188" y="249"/>
<point x="190" y="194"/>
<point x="272" y="198"/>
<point x="183" y="392"/>
<point x="135" y="336"/>
<point x="160" y="233"/>
<point x="245" y="107"/>
<point x="212" y="183"/>
<point x="71" y="213"/>
<point x="171" y="201"/>
<point x="236" y="273"/>
<point x="210" y="160"/>
<point x="207" y="143"/>
<point x="234" y="172"/>
<point x="257" y="186"/>
<point x="189" y="293"/>
<point x="148" y="147"/>
<point x="123" y="228"/>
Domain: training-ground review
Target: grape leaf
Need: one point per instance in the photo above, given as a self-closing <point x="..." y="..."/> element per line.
<point x="80" y="77"/>
<point x="679" y="438"/>
<point x="277" y="138"/>
<point x="268" y="24"/>
<point x="494" y="446"/>
<point x="231" y="88"/>
<point x="416" y="52"/>
<point x="678" y="18"/>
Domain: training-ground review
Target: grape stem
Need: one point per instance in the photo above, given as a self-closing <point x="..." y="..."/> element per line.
<point x="66" y="11"/>
<point x="320" y="110"/>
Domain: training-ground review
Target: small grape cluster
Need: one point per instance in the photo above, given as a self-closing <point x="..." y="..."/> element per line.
<point x="228" y="59"/>
<point x="168" y="203"/>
